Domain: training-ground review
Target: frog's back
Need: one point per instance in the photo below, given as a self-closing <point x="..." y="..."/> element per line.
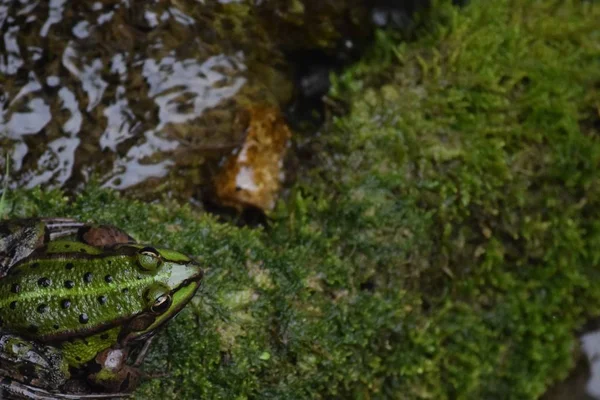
<point x="70" y="289"/>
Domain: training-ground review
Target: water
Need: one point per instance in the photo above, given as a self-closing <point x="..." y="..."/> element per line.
<point x="137" y="95"/>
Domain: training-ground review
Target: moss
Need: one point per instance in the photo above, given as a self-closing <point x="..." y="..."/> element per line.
<point x="488" y="127"/>
<point x="446" y="245"/>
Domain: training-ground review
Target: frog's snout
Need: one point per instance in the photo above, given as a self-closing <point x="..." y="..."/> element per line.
<point x="197" y="276"/>
<point x="182" y="275"/>
<point x="199" y="270"/>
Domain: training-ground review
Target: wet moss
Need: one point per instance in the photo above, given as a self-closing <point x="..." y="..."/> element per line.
<point x="446" y="245"/>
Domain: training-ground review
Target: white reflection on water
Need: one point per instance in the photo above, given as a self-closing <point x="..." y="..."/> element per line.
<point x="103" y="18"/>
<point x="183" y="89"/>
<point x="151" y="18"/>
<point x="118" y="66"/>
<point x="19" y="151"/>
<point x="3" y="14"/>
<point x="180" y="17"/>
<point x="10" y="59"/>
<point x="131" y="171"/>
<point x="82" y="29"/>
<point x="590" y="344"/>
<point x="31" y="121"/>
<point x="56" y="163"/>
<point x="69" y="103"/>
<point x="54" y="16"/>
<point x="32" y="115"/>
<point x="62" y="106"/>
<point x="120" y="122"/>
<point x="32" y="85"/>
<point x="89" y="75"/>
<point x="27" y="8"/>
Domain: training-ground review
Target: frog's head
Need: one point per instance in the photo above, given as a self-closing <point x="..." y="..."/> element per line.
<point x="175" y="279"/>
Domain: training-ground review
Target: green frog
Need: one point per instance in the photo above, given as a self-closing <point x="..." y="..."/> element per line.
<point x="77" y="301"/>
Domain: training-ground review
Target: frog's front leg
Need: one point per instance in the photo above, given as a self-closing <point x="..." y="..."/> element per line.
<point x="110" y="370"/>
<point x="111" y="373"/>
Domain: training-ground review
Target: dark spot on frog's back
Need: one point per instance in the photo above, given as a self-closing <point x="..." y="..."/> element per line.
<point x="87" y="277"/>
<point x="83" y="318"/>
<point x="15" y="288"/>
<point x="44" y="282"/>
<point x="69" y="284"/>
<point x="69" y="266"/>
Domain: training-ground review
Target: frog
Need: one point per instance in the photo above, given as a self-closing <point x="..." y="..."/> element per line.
<point x="78" y="301"/>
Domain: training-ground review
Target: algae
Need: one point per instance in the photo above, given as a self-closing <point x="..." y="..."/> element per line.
<point x="443" y="242"/>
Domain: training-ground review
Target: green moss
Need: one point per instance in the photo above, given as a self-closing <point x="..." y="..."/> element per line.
<point x="488" y="126"/>
<point x="447" y="246"/>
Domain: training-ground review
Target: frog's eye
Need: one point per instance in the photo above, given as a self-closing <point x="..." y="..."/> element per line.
<point x="161" y="304"/>
<point x="149" y="259"/>
<point x="158" y="298"/>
